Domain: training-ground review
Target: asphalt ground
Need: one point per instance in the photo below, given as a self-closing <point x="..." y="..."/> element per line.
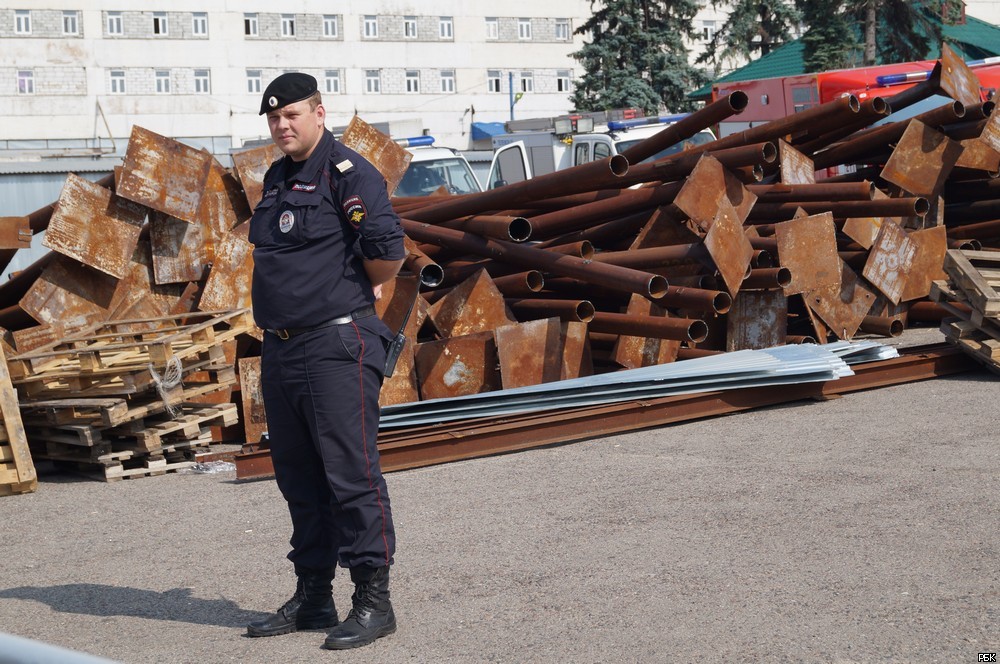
<point x="859" y="529"/>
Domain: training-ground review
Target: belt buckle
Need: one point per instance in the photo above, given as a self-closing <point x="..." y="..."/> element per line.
<point x="282" y="334"/>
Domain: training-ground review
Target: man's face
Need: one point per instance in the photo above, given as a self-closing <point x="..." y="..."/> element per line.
<point x="296" y="128"/>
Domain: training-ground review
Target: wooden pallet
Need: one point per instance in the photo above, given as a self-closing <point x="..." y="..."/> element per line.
<point x="955" y="302"/>
<point x="113" y="471"/>
<point x="973" y="342"/>
<point x="977" y="275"/>
<point x="17" y="469"/>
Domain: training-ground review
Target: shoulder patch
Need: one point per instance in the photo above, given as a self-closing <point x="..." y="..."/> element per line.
<point x="354" y="210"/>
<point x="345" y="166"/>
<point x="271" y="192"/>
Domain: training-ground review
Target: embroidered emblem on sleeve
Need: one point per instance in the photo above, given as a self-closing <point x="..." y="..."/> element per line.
<point x="354" y="210"/>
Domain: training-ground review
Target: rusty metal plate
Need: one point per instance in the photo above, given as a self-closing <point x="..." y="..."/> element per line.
<point x="228" y="283"/>
<point x="922" y="160"/>
<point x="957" y="79"/>
<point x="890" y="261"/>
<point x="475" y="305"/>
<point x="729" y="247"/>
<point x="461" y="365"/>
<point x="842" y="306"/>
<point x="69" y="295"/>
<point x="31" y="338"/>
<point x="807" y="246"/>
<point x="94" y="226"/>
<point x="15" y="233"/>
<point x="250" y="167"/>
<point x="864" y="230"/>
<point x="254" y="418"/>
<point x="928" y="263"/>
<point x="796" y="168"/>
<point x="542" y="351"/>
<point x="397" y="298"/>
<point x="757" y="319"/>
<point x="634" y="352"/>
<point x="977" y="153"/>
<point x="991" y="132"/>
<point x="663" y="229"/>
<point x="386" y="155"/>
<point x="164" y="174"/>
<point x="707" y="185"/>
<point x="178" y="249"/>
<point x="137" y="295"/>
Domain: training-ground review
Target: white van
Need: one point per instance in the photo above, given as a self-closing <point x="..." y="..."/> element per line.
<point x="434" y="167"/>
<point x="521" y="155"/>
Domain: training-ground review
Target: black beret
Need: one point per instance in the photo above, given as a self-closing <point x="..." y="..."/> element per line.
<point x="287" y="89"/>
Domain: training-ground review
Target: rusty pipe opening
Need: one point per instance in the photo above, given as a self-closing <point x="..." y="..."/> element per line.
<point x="738" y="101"/>
<point x="431" y="275"/>
<point x="768" y="152"/>
<point x="763" y="258"/>
<point x="757" y="172"/>
<point x="799" y="339"/>
<point x="921" y="206"/>
<point x="657" y="286"/>
<point x="880" y="106"/>
<point x="534" y="281"/>
<point x="988" y="108"/>
<point x="519" y="229"/>
<point x="853" y="103"/>
<point x="585" y="311"/>
<point x="882" y="325"/>
<point x="586" y="249"/>
<point x="722" y="302"/>
<point x="698" y="331"/>
<point x="618" y="164"/>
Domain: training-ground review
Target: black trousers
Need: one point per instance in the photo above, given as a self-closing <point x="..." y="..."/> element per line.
<point x="320" y="393"/>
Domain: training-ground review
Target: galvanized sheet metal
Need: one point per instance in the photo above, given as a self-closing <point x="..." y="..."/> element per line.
<point x="922" y="160"/>
<point x="890" y="261"/>
<point x="458" y="366"/>
<point x="164" y="174"/>
<point x="386" y="155"/>
<point x="542" y="351"/>
<point x="808" y="247"/>
<point x="94" y="226"/>
<point x="843" y="306"/>
<point x="757" y="319"/>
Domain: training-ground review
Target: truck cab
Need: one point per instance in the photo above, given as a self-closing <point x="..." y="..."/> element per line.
<point x="574" y="140"/>
<point x="432" y="168"/>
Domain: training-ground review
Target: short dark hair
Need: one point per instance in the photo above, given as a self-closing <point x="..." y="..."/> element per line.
<point x="315" y="99"/>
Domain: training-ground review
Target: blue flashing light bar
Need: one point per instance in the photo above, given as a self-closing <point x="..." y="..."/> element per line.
<point x="619" y="125"/>
<point x="415" y="141"/>
<point x="895" y="79"/>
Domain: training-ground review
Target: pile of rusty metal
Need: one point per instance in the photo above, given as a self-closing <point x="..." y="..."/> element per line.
<point x="612" y="265"/>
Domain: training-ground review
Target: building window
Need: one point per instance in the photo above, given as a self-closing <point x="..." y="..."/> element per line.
<point x="250" y="28"/>
<point x="448" y="81"/>
<point x="331" y="81"/>
<point x="202" y="82"/>
<point x="410" y="27"/>
<point x="493" y="80"/>
<point x="707" y="30"/>
<point x="492" y="27"/>
<point x="288" y="25"/>
<point x="253" y="81"/>
<point x="25" y="82"/>
<point x="71" y="23"/>
<point x="563" y="80"/>
<point x="373" y="81"/>
<point x="199" y="24"/>
<point x="114" y="23"/>
<point x="22" y="21"/>
<point x="160" y="23"/>
<point x="446" y="27"/>
<point x="562" y="29"/>
<point x="162" y="82"/>
<point x="117" y="81"/>
<point x="330" y="27"/>
<point x="371" y="27"/>
<point x="524" y="28"/>
<point x="527" y="81"/>
<point x="412" y="81"/>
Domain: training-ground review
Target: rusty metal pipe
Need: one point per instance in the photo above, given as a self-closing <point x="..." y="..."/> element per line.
<point x="672" y="168"/>
<point x="612" y="276"/>
<point x="521" y="284"/>
<point x="928" y="312"/>
<point x="696" y="299"/>
<point x="615" y="229"/>
<point x="871" y="110"/>
<point x="799" y="339"/>
<point x="732" y="104"/>
<point x="582" y="216"/>
<point x="430" y="273"/>
<point x="500" y="227"/>
<point x="586" y="177"/>
<point x="821" y="191"/>
<point x="685" y="353"/>
<point x="459" y="270"/>
<point x="968" y="245"/>
<point x="581" y="311"/>
<point x="762" y="258"/>
<point x="980" y="231"/>
<point x="964" y="213"/>
<point x="678" y="329"/>
<point x="972" y="189"/>
<point x="882" y="325"/>
<point x="767" y="278"/>
<point x="911" y="206"/>
<point x="657" y="256"/>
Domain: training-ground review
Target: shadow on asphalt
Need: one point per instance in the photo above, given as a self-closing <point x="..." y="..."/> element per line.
<point x="101" y="600"/>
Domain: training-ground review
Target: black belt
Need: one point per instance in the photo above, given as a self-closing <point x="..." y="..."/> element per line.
<point x="290" y="332"/>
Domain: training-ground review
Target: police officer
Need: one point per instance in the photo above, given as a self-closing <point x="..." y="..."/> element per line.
<point x="325" y="237"/>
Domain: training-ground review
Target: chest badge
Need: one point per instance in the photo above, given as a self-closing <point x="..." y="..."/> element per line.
<point x="286" y="221"/>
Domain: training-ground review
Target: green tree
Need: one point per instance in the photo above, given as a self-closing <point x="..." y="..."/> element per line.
<point x="753" y="29"/>
<point x="636" y="56"/>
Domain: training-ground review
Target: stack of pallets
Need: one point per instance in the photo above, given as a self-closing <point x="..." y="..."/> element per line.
<point x="971" y="294"/>
<point x="17" y="470"/>
<point x="120" y="399"/>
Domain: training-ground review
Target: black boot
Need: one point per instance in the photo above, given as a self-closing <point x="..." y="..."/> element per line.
<point x="311" y="607"/>
<point x="371" y="617"/>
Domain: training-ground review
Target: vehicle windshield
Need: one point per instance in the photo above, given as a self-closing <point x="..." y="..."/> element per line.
<point x="423" y="178"/>
<point x="700" y="138"/>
